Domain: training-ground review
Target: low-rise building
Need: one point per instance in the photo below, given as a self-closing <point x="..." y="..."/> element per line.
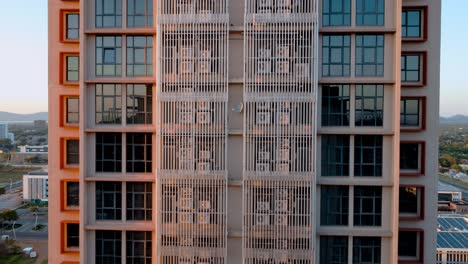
<point x="452" y="239"/>
<point x="33" y="149"/>
<point x="36" y="185"/>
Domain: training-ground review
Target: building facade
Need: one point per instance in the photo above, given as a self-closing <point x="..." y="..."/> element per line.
<point x="256" y="131"/>
<point x="3" y="130"/>
<point x="36" y="186"/>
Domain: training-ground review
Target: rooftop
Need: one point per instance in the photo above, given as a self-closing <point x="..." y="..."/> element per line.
<point x="452" y="231"/>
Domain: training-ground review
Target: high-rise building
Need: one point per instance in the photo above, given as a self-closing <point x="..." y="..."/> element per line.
<point x="255" y="131"/>
<point x="3" y="130"/>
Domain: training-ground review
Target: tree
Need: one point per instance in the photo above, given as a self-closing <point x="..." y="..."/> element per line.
<point x="34" y="208"/>
<point x="9" y="215"/>
<point x="6" y="143"/>
<point x="447" y="161"/>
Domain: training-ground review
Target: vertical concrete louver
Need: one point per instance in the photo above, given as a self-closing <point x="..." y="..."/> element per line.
<point x="279" y="131"/>
<point x="192" y="80"/>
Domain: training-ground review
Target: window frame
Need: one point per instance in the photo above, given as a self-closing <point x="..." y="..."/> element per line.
<point x="100" y="201"/>
<point x="130" y="246"/>
<point x="117" y="146"/>
<point x="355" y="247"/>
<point x="344" y="199"/>
<point x="132" y="104"/>
<point x="327" y="148"/>
<point x="131" y="50"/>
<point x="131" y="149"/>
<point x="100" y="61"/>
<point x="99" y="104"/>
<point x="63" y="79"/>
<point x="63" y="25"/>
<point x="423" y="23"/>
<point x="116" y="245"/>
<point x="360" y="112"/>
<point x="419" y="215"/>
<point x="116" y="23"/>
<point x="359" y="61"/>
<point x="419" y="247"/>
<point x="66" y="158"/>
<point x="331" y="247"/>
<point x="148" y="201"/>
<point x="376" y="214"/>
<point x="66" y="247"/>
<point x="66" y="204"/>
<point x="421" y="158"/>
<point x="346" y="45"/>
<point x="422" y="114"/>
<point x="422" y="69"/>
<point x="326" y="115"/>
<point x="358" y="150"/>
<point x="67" y="112"/>
<point x="362" y="6"/>
<point x="330" y="13"/>
<point x="148" y="14"/>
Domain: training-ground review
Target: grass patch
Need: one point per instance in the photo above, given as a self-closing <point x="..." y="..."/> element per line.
<point x="38" y="227"/>
<point x="14" y="173"/>
<point x="16" y="259"/>
<point x="453" y="181"/>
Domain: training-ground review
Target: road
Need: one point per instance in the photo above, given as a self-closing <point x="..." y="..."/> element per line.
<point x="13" y="186"/>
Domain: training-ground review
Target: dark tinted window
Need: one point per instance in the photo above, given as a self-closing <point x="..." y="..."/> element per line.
<point x="408" y="244"/>
<point x="367" y="206"/>
<point x="408" y="200"/>
<point x="409" y="112"/>
<point x="73" y="193"/>
<point x="334" y="203"/>
<point x="108" y="152"/>
<point x="369" y="105"/>
<point x="108" y="200"/>
<point x="73" y="151"/>
<point x="335" y="155"/>
<point x="335" y="105"/>
<point x="73" y="235"/>
<point x="369" y="55"/>
<point x="409" y="156"/>
<point x="367" y="250"/>
<point x="368" y="155"/>
<point x="108" y="247"/>
<point x="333" y="250"/>
<point x="139" y="201"/>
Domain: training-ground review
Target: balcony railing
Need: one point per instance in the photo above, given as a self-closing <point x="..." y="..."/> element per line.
<point x="452" y="256"/>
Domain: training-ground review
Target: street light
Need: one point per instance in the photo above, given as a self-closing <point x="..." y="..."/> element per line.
<point x="13" y="227"/>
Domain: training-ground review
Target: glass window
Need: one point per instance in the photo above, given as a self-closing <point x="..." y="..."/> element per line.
<point x="73" y="110"/>
<point x="410" y="157"/>
<point x="336" y="56"/>
<point x="408" y="245"/>
<point x="139" y="152"/>
<point x="73" y="152"/>
<point x="108" y="152"/>
<point x="139" y="13"/>
<point x="370" y="12"/>
<point x="139" y="247"/>
<point x="139" y="104"/>
<point x="409" y="112"/>
<point x="369" y="55"/>
<point x="336" y="13"/>
<point x="368" y="155"/>
<point x="333" y="250"/>
<point x="108" y="13"/>
<point x="367" y="206"/>
<point x="369" y="105"/>
<point x="139" y="56"/>
<point x="335" y="155"/>
<point x="410" y="68"/>
<point x="73" y="235"/>
<point x="367" y="250"/>
<point x="108" y="247"/>
<point x="411" y="23"/>
<point x="139" y="201"/>
<point x="335" y="105"/>
<point x="73" y="68"/>
<point x="334" y="205"/>
<point x="73" y="26"/>
<point x="409" y="201"/>
<point x="108" y="200"/>
<point x="73" y="194"/>
<point x="108" y="55"/>
<point x="108" y="103"/>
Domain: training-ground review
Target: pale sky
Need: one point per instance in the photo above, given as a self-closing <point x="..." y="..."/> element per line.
<point x="23" y="57"/>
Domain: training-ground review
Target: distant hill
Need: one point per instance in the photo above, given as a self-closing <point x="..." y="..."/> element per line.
<point x="456" y="119"/>
<point x="12" y="117"/>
